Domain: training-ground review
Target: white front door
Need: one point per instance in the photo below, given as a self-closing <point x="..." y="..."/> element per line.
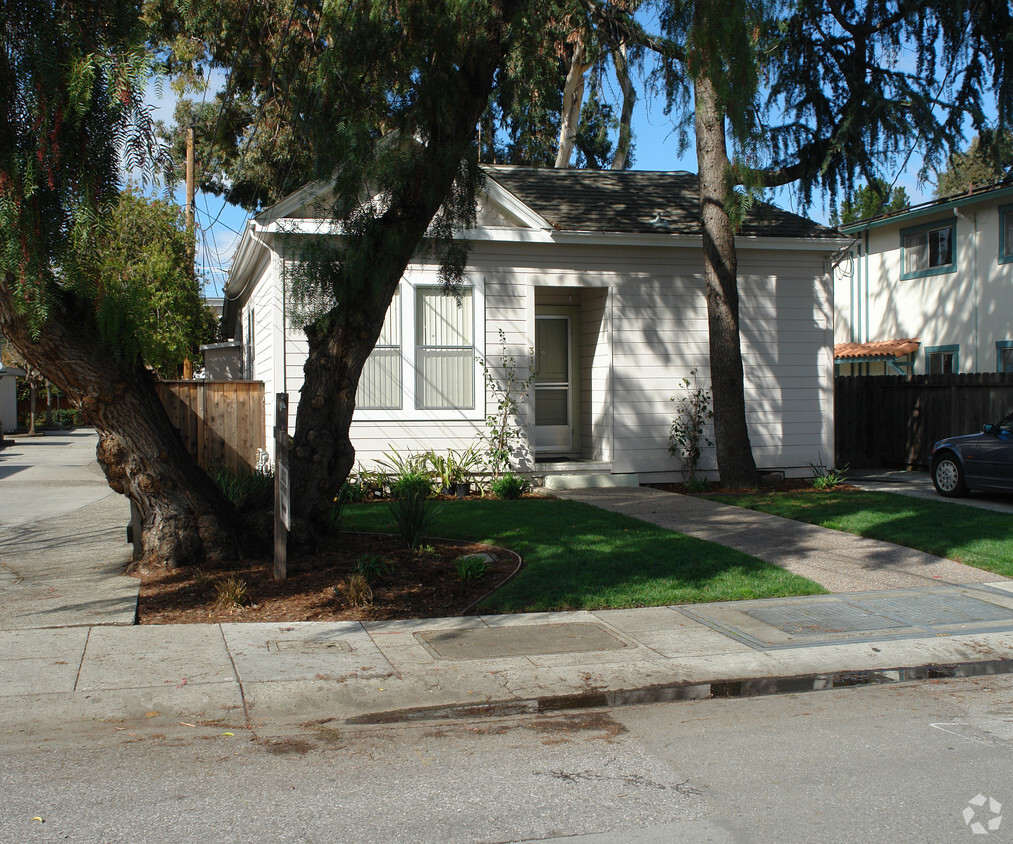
<point x="553" y="384"/>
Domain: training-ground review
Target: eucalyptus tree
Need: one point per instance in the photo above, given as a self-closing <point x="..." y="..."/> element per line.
<point x="812" y="93"/>
<point x="72" y="78"/>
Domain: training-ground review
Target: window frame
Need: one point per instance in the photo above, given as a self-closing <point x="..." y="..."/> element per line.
<point x="1005" y="249"/>
<point x="396" y="299"/>
<point x="421" y="347"/>
<point x="409" y="411"/>
<point x="942" y="350"/>
<point x="941" y="269"/>
<point x="1000" y="347"/>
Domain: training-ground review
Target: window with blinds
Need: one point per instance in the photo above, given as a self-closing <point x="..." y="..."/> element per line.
<point x="380" y="382"/>
<point x="444" y="350"/>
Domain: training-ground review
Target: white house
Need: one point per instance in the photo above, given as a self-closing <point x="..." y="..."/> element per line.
<point x="929" y="289"/>
<point x="599" y="276"/>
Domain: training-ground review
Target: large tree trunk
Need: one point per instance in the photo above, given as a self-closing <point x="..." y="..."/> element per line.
<point x="573" y="102"/>
<point x="731" y="436"/>
<point x="338" y="345"/>
<point x="629" y="101"/>
<point x="186" y="520"/>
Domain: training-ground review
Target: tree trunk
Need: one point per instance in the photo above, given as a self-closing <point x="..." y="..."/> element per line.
<point x="31" y="403"/>
<point x="339" y="344"/>
<point x="573" y="102"/>
<point x="185" y="518"/>
<point x="731" y="436"/>
<point x="629" y="101"/>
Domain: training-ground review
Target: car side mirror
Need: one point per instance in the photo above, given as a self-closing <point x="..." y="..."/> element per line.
<point x="990" y="429"/>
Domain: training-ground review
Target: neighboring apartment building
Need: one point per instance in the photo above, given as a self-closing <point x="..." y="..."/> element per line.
<point x="929" y="289"/>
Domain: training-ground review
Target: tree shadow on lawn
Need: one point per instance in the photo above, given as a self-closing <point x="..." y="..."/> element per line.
<point x="975" y="537"/>
<point x="581" y="557"/>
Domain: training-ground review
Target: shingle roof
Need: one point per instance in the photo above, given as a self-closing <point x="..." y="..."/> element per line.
<point x="635" y="201"/>
<point x="885" y="349"/>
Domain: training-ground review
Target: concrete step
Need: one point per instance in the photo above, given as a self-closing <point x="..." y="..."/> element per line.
<point x="590" y="480"/>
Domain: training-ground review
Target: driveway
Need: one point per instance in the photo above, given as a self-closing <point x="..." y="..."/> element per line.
<point x="57" y="571"/>
<point x="919" y="485"/>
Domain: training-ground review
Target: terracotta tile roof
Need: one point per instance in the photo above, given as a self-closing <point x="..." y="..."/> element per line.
<point x="635" y="201"/>
<point x="884" y="349"/>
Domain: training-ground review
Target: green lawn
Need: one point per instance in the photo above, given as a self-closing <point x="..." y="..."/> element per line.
<point x="579" y="557"/>
<point x="980" y="538"/>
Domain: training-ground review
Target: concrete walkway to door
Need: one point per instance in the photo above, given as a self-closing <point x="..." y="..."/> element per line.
<point x="838" y="561"/>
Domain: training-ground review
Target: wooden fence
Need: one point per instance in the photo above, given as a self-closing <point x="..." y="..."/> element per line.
<point x="221" y="421"/>
<point x="893" y="420"/>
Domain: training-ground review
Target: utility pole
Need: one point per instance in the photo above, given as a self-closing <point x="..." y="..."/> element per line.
<point x="191" y="239"/>
<point x="189" y="179"/>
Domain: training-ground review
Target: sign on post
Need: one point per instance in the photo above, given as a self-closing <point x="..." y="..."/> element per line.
<point x="282" y="491"/>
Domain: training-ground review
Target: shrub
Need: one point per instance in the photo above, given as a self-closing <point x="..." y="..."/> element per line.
<point x="471" y="568"/>
<point x="357" y="590"/>
<point x="510" y="486"/>
<point x="236" y="486"/>
<point x="411" y="507"/>
<point x="371" y="565"/>
<point x="824" y="478"/>
<point x="688" y="433"/>
<point x="232" y="593"/>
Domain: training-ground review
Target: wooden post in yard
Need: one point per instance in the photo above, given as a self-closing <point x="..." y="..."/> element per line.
<point x="282" y="496"/>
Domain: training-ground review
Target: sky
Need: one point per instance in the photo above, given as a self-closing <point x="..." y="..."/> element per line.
<point x="656" y="148"/>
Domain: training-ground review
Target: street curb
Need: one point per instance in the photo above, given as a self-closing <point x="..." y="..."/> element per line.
<point x="673" y="692"/>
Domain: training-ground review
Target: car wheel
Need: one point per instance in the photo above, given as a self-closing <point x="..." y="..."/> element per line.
<point x="948" y="476"/>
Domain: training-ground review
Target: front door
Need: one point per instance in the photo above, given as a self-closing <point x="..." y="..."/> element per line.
<point x="553" y="384"/>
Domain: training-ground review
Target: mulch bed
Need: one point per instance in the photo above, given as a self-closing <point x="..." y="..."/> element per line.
<point x="415" y="585"/>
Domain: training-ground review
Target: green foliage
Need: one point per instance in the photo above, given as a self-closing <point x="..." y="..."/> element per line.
<point x="503" y="433"/>
<point x="825" y="478"/>
<point x="471" y="568"/>
<point x="697" y="485"/>
<point x="988" y="159"/>
<point x="73" y="87"/>
<point x="688" y="433"/>
<point x="237" y="486"/>
<point x="454" y="467"/>
<point x="354" y="492"/>
<point x="149" y="303"/>
<point x="870" y="200"/>
<point x="372" y="566"/>
<point x="510" y="486"/>
<point x="411" y="507"/>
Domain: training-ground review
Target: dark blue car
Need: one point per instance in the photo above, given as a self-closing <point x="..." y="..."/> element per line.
<point x="977" y="461"/>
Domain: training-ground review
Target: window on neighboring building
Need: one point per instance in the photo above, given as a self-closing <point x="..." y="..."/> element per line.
<point x="1005" y="234"/>
<point x="1004" y="356"/>
<point x="928" y="249"/>
<point x="380" y="381"/>
<point x="942" y="360"/>
<point x="444" y="349"/>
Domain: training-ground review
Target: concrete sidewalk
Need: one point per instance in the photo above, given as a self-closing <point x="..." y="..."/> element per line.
<point x="63" y="546"/>
<point x="70" y="665"/>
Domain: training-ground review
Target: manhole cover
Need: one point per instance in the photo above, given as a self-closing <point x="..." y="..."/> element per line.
<point x="521" y="640"/>
<point x="933" y="610"/>
<point x="826" y="618"/>
<point x="303" y="647"/>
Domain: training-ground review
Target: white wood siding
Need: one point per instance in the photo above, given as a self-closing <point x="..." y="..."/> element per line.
<point x="643" y="327"/>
